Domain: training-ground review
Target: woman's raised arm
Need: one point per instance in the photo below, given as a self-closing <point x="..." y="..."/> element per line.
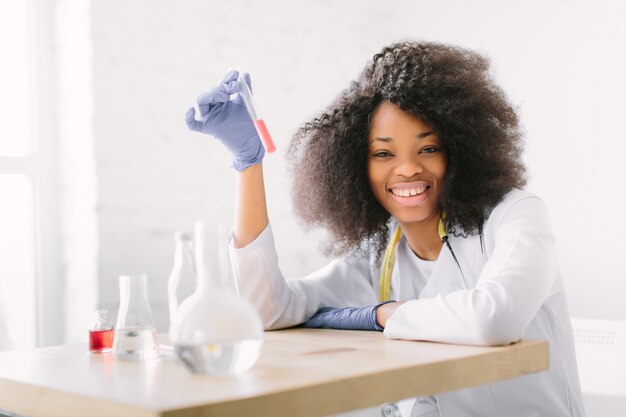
<point x="223" y="115"/>
<point x="250" y="206"/>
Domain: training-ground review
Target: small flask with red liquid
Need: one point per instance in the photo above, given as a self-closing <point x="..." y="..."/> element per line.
<point x="101" y="333"/>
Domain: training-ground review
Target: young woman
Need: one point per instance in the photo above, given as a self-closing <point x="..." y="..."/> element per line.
<point x="415" y="170"/>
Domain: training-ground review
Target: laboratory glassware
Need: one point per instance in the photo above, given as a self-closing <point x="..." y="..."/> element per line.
<point x="259" y="122"/>
<point x="182" y="279"/>
<point x="215" y="331"/>
<point x="101" y="333"/>
<point x="135" y="334"/>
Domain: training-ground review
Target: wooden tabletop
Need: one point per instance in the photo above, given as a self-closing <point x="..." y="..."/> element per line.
<point x="301" y="372"/>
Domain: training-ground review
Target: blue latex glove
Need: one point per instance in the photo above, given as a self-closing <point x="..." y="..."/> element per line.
<point x="346" y="318"/>
<point x="224" y="115"/>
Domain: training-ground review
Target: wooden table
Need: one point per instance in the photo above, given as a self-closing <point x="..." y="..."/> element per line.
<point x="301" y="372"/>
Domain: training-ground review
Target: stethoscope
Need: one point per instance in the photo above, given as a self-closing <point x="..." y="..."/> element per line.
<point x="443" y="235"/>
<point x="390" y="255"/>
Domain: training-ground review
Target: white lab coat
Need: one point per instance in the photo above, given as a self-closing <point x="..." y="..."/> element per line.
<point x="517" y="294"/>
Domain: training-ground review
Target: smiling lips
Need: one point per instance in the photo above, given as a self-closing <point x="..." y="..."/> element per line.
<point x="409" y="194"/>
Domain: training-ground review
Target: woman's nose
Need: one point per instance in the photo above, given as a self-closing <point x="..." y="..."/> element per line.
<point x="409" y="167"/>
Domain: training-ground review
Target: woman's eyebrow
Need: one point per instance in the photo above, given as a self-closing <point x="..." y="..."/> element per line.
<point x="381" y="139"/>
<point x="390" y="139"/>
<point x="424" y="134"/>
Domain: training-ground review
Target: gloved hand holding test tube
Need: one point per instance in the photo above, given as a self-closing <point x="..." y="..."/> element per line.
<point x="258" y="121"/>
<point x="227" y="112"/>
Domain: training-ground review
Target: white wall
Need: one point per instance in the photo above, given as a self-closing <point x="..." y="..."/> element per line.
<point x="561" y="62"/>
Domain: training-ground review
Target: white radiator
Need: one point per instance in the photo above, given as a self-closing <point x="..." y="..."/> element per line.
<point x="601" y="356"/>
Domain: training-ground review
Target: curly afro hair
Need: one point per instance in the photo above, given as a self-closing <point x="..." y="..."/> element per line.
<point x="451" y="90"/>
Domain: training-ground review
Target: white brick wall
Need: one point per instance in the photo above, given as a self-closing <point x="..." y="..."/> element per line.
<point x="151" y="59"/>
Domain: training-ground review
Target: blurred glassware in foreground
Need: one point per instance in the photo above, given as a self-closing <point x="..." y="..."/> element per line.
<point x="182" y="280"/>
<point x="135" y="335"/>
<point x="214" y="331"/>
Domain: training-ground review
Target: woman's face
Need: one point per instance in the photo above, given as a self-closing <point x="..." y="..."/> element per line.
<point x="406" y="164"/>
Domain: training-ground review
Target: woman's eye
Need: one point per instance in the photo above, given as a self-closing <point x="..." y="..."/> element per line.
<point x="429" y="149"/>
<point x="381" y="154"/>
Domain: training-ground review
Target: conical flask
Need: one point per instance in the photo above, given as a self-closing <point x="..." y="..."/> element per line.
<point x="182" y="280"/>
<point x="215" y="331"/>
<point x="135" y="335"/>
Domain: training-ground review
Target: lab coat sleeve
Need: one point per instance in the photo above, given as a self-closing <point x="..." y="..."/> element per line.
<point x="520" y="274"/>
<point x="287" y="302"/>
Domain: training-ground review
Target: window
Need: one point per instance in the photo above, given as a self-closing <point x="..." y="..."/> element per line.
<point x="17" y="181"/>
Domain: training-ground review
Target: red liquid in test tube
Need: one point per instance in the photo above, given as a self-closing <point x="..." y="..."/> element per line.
<point x="266" y="138"/>
<point x="258" y="121"/>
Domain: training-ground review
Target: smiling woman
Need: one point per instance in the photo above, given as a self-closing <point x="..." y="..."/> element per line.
<point x="451" y="92"/>
<point x="425" y="144"/>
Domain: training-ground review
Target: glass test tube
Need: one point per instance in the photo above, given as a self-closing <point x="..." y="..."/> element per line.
<point x="258" y="121"/>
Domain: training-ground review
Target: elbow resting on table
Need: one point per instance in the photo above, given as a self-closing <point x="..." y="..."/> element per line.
<point x="275" y="318"/>
<point x="270" y="321"/>
<point x="494" y="320"/>
<point x="496" y="334"/>
<point x="497" y="329"/>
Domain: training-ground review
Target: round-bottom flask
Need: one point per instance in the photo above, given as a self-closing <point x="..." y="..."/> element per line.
<point x="215" y="331"/>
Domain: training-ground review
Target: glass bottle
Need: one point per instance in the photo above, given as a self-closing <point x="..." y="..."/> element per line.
<point x="135" y="335"/>
<point x="101" y="333"/>
<point x="215" y="331"/>
<point x="182" y="280"/>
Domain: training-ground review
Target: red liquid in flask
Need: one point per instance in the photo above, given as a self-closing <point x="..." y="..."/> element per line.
<point x="100" y="340"/>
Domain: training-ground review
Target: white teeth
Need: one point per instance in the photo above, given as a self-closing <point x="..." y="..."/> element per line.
<point x="409" y="192"/>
